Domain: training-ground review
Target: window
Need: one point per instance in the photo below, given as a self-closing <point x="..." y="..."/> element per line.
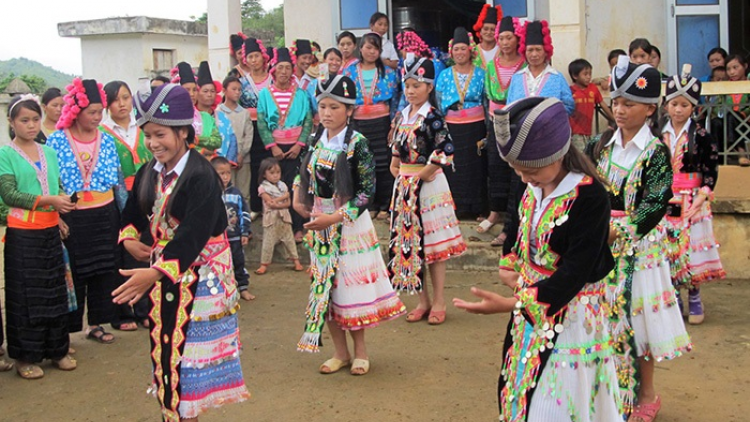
<point x="517" y="8"/>
<point x="163" y="59"/>
<point x="355" y="14"/>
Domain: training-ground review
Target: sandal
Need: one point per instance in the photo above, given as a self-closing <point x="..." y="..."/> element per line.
<point x="92" y="335"/>
<point x="436" y="318"/>
<point x="126" y="326"/>
<point x="484" y="226"/>
<point x="417" y="315"/>
<point x="5" y="365"/>
<point x="65" y="364"/>
<point x="298" y="266"/>
<point x="71" y="351"/>
<point x="646" y="412"/>
<point x="145" y="323"/>
<point x="360" y="367"/>
<point x="499" y="240"/>
<point x="333" y="365"/>
<point x="262" y="269"/>
<point x="29" y="371"/>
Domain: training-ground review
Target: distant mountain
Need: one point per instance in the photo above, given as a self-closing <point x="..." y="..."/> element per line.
<point x="23" y="66"/>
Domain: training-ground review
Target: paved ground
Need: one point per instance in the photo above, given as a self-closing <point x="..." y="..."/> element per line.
<point x="419" y="373"/>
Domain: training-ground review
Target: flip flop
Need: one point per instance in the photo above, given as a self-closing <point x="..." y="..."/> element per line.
<point x="484" y="226"/>
<point x="333" y="365"/>
<point x="646" y="412"/>
<point x="262" y="270"/>
<point x="360" y="367"/>
<point x="5" y="365"/>
<point x="417" y="315"/>
<point x="65" y="364"/>
<point x="499" y="240"/>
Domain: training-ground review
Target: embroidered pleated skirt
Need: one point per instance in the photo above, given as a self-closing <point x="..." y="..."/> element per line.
<point x="36" y="297"/>
<point x="361" y="295"/>
<point x="376" y="131"/>
<point x="644" y="300"/>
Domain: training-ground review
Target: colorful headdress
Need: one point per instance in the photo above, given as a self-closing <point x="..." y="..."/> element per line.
<point x="254" y="45"/>
<point x="236" y="41"/>
<point x="282" y="54"/>
<point x="168" y="105"/>
<point x="340" y="88"/>
<point x="533" y="132"/>
<point x="509" y="23"/>
<point x="684" y="85"/>
<point x="421" y="69"/>
<point x="536" y="33"/>
<point x="300" y="47"/>
<point x="461" y="36"/>
<point x="488" y="14"/>
<point x="81" y="94"/>
<point x="640" y="83"/>
<point x="182" y="74"/>
<point x="410" y="42"/>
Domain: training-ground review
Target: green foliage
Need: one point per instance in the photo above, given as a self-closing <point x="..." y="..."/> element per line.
<point x="252" y="9"/>
<point x="36" y="75"/>
<point x="201" y="19"/>
<point x="264" y="24"/>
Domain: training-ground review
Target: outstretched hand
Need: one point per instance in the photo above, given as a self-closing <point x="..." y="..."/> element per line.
<point x="140" y="281"/>
<point x="491" y="303"/>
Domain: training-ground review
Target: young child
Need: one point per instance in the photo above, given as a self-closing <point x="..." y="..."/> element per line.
<point x="424" y="228"/>
<point x="645" y="323"/>
<point x="36" y="297"/>
<point x="694" y="258"/>
<point x="277" y="222"/>
<point x="719" y="74"/>
<point x="350" y="289"/>
<point x="737" y="71"/>
<point x="639" y="51"/>
<point x="379" y="24"/>
<point x="586" y="96"/>
<point x="238" y="228"/>
<point x="557" y="271"/>
<point x="242" y="124"/>
<point x="612" y="61"/>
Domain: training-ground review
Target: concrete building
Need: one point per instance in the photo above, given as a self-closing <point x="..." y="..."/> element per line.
<point x="684" y="30"/>
<point x="129" y="48"/>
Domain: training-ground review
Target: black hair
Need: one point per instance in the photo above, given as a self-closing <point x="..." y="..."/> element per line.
<point x="220" y="161"/>
<point x="161" y="79"/>
<point x="50" y="94"/>
<point x="577" y="66"/>
<point x="27" y="104"/>
<point x="347" y="34"/>
<point x="378" y="16"/>
<point x="576" y="161"/>
<point x="617" y="52"/>
<point x="718" y="69"/>
<point x="229" y="79"/>
<point x="266" y="165"/>
<point x="146" y="191"/>
<point x="20" y="104"/>
<point x="343" y="182"/>
<point x="639" y="43"/>
<point x="739" y="57"/>
<point x="377" y="41"/>
<point x="655" y="49"/>
<point x="112" y="90"/>
<point x="333" y="50"/>
<point x="719" y="50"/>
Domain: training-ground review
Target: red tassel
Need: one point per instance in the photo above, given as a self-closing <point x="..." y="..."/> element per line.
<point x="88" y="196"/>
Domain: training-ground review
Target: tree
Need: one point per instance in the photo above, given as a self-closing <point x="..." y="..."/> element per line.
<point x="252" y="9"/>
<point x="36" y="84"/>
<point x="265" y="24"/>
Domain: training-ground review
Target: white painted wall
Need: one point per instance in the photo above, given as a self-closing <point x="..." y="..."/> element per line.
<point x="224" y="18"/>
<point x="128" y="57"/>
<point x="313" y="20"/>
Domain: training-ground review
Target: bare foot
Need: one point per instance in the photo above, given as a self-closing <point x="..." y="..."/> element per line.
<point x="245" y="295"/>
<point x="298" y="266"/>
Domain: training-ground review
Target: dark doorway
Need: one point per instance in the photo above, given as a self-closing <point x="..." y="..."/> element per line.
<point x="739" y="27"/>
<point x="435" y="20"/>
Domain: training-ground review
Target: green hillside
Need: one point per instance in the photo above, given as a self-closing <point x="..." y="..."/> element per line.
<point x="23" y="66"/>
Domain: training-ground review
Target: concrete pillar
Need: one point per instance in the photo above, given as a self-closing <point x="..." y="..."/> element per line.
<point x="566" y="24"/>
<point x="224" y="18"/>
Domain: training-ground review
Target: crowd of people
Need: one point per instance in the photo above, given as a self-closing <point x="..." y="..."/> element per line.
<point x="135" y="209"/>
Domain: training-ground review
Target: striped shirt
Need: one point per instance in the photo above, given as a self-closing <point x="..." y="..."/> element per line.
<point x="506" y="73"/>
<point x="283" y="98"/>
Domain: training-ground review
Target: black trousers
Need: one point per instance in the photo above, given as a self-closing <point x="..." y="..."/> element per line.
<point x="238" y="260"/>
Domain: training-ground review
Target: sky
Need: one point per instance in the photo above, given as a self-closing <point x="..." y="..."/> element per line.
<point x="29" y="27"/>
